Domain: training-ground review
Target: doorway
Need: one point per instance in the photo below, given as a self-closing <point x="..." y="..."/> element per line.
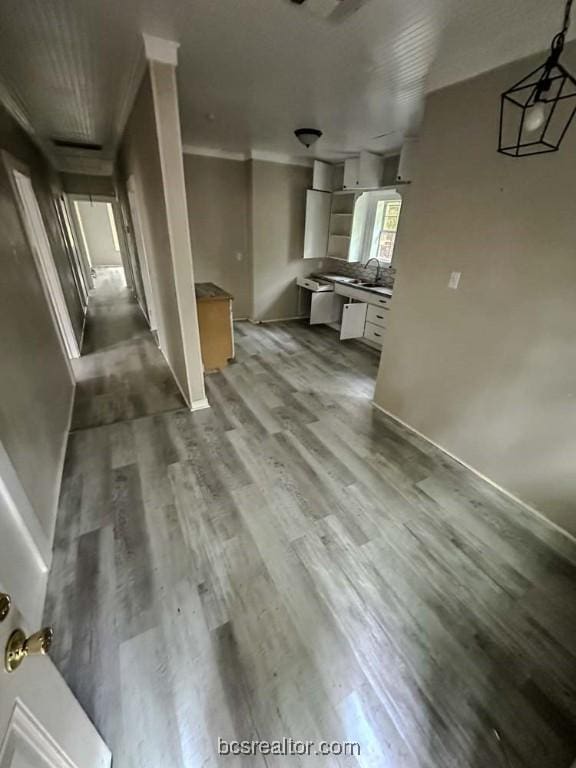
<point x="101" y="244"/>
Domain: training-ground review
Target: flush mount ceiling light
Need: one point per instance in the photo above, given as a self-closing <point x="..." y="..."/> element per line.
<point x="535" y="112"/>
<point x="307" y="136"/>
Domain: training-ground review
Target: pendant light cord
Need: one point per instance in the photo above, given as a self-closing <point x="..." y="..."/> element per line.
<point x="567" y="11"/>
<point x="559" y="39"/>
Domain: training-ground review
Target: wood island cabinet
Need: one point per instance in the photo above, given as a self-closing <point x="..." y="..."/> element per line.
<point x="215" y="323"/>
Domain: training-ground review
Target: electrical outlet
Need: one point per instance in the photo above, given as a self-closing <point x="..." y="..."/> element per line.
<point x="454" y="280"/>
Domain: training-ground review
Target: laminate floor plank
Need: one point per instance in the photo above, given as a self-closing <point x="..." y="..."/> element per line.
<point x="291" y="563"/>
<point x="121" y="374"/>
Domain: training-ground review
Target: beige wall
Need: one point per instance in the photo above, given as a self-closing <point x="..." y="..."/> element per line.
<point x="36" y="389"/>
<point x="218" y="199"/>
<point x="139" y="157"/>
<point x="489" y="371"/>
<point x="255" y="209"/>
<point x="98" y="233"/>
<point x="278" y="206"/>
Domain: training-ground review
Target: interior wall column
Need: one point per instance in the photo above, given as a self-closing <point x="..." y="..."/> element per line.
<point x="162" y="56"/>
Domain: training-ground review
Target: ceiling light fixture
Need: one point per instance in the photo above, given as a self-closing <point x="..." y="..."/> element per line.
<point x="535" y="112"/>
<point x="307" y="136"/>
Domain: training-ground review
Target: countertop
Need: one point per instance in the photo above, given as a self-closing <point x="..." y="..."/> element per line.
<point x="353" y="283"/>
<point x="211" y="292"/>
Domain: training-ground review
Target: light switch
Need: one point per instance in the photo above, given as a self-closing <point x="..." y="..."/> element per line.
<point x="454" y="280"/>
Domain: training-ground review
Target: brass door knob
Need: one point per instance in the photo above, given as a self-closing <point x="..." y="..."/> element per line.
<point x="5" y="603"/>
<point x="19" y="646"/>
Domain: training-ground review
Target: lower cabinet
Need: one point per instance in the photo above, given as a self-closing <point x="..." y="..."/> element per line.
<point x="374" y="333"/>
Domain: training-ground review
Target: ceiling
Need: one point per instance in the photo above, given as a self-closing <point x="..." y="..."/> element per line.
<point x="251" y="71"/>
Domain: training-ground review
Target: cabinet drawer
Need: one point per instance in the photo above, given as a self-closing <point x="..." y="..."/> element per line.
<point x="376" y="316"/>
<point x="377" y="300"/>
<point x="374" y="333"/>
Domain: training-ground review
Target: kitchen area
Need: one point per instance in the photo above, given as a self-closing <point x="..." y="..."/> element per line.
<point x="352" y="215"/>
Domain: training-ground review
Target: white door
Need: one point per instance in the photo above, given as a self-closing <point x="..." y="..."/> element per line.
<point x="317" y="224"/>
<point x="42" y="725"/>
<point x="40" y="245"/>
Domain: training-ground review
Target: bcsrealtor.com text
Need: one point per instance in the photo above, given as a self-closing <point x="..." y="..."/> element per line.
<point x="289" y="747"/>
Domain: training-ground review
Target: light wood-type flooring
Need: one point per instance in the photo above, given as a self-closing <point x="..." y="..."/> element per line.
<point x="290" y="563"/>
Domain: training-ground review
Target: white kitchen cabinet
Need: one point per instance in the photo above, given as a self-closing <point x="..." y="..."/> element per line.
<point x="317" y="225"/>
<point x="323" y="176"/>
<point x="353" y="320"/>
<point x="351" y="168"/>
<point x="376" y="316"/>
<point x="374" y="333"/>
<point x="364" y="171"/>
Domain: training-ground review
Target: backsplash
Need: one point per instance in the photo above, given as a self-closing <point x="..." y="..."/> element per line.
<point x="335" y="266"/>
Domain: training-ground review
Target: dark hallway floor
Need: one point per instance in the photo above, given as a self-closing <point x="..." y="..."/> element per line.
<point x="122" y="374"/>
<point x="289" y="563"/>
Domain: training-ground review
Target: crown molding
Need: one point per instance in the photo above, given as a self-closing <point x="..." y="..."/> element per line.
<point x="159" y="49"/>
<point x="191" y="149"/>
<point x="255" y="154"/>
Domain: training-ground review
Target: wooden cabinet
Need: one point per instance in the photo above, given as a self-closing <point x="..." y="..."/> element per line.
<point x="215" y="324"/>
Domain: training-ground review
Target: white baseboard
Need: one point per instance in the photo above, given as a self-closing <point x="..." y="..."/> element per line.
<point x="184" y="395"/>
<point x="199" y="405"/>
<point x="277" y="319"/>
<point x="479" y="474"/>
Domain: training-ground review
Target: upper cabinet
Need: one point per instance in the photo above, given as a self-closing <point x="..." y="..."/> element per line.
<point x="364" y="171"/>
<point x="323" y="176"/>
<point x="317" y="223"/>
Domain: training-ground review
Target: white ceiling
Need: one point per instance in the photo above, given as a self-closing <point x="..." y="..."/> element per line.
<point x="251" y="71"/>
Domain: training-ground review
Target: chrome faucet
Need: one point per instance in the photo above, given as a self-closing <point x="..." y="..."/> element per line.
<point x="377" y="267"/>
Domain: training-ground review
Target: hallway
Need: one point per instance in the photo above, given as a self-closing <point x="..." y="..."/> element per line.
<point x="289" y="563"/>
<point x="122" y="374"/>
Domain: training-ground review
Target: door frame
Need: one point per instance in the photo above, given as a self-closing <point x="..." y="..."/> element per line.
<point x="74" y="248"/>
<point x="140" y="238"/>
<point x="44" y="259"/>
<point x="72" y="203"/>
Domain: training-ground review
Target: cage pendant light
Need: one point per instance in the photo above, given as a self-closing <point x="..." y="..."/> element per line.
<point x="535" y="112"/>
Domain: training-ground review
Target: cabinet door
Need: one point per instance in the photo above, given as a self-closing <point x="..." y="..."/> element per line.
<point x="323" y="175"/>
<point x="317" y="224"/>
<point x="351" y="172"/>
<point x="353" y="320"/>
<point x="370" y="170"/>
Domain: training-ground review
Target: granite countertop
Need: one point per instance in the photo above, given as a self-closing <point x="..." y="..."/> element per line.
<point x="354" y="283"/>
<point x="211" y="292"/>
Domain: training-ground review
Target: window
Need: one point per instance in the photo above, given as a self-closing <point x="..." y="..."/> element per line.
<point x="385" y="227"/>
